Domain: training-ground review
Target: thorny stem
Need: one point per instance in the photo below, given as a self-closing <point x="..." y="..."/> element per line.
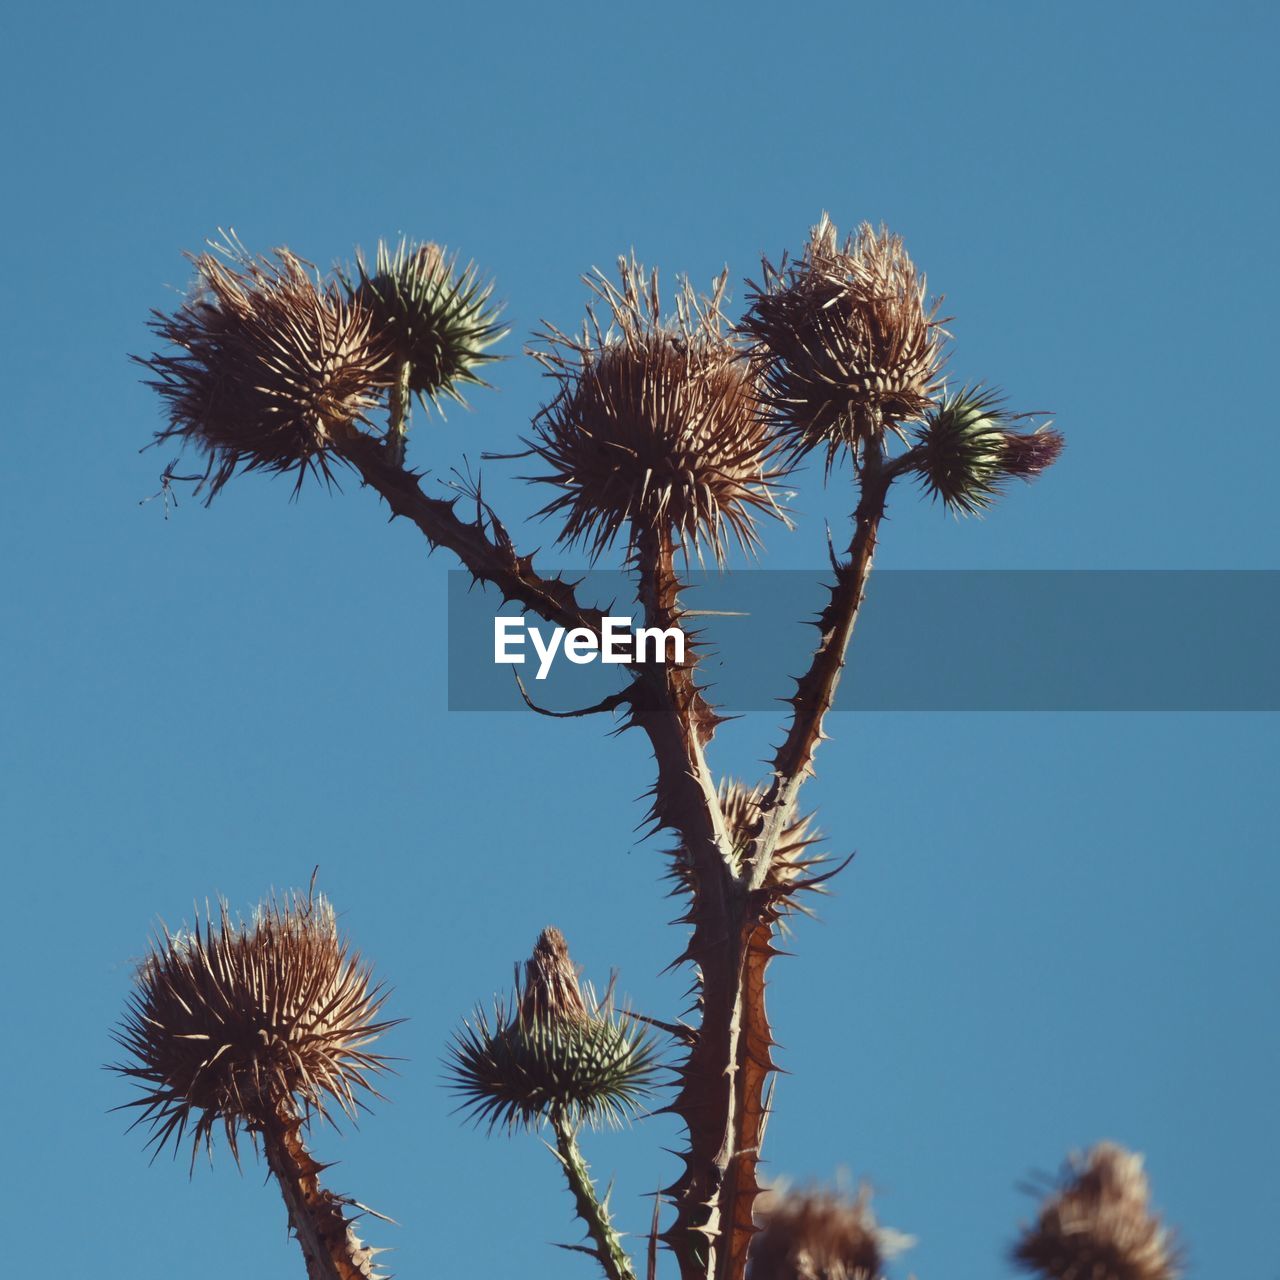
<point x="401" y="407"/>
<point x="594" y="1212"/>
<point x="721" y="1098"/>
<point x="329" y="1244"/>
<point x="490" y="559"/>
<point x="816" y="689"/>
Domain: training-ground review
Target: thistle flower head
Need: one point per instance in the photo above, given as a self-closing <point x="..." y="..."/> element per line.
<point x="551" y="1049"/>
<point x="967" y="450"/>
<point x="844" y="340"/>
<point x="819" y="1235"/>
<point x="230" y="1020"/>
<point x="436" y="316"/>
<point x="272" y="367"/>
<point x="655" y="424"/>
<point x="1098" y="1224"/>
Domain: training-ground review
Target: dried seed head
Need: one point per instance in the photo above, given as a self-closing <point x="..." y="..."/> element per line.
<point x="967" y="450"/>
<point x="230" y="1020"/>
<point x="435" y="316"/>
<point x="551" y="1050"/>
<point x="819" y="1235"/>
<point x="274" y="367"/>
<point x="655" y="425"/>
<point x="844" y="340"/>
<point x="1098" y="1224"/>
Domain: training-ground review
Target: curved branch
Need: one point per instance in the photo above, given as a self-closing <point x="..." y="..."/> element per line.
<point x="816" y="688"/>
<point x="496" y="562"/>
<point x="611" y="703"/>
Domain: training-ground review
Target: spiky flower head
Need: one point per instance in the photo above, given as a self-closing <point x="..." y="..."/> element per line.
<point x="552" y="1049"/>
<point x="967" y="450"/>
<point x="437" y="317"/>
<point x="844" y="339"/>
<point x="229" y="1020"/>
<point x="655" y="424"/>
<point x="273" y="368"/>
<point x="820" y="1235"/>
<point x="740" y="805"/>
<point x="1098" y="1224"/>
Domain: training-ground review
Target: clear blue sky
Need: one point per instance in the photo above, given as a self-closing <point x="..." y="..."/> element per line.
<point x="1057" y="929"/>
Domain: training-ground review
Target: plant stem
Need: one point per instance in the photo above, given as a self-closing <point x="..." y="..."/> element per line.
<point x="330" y="1246"/>
<point x="400" y="410"/>
<point x="608" y="1244"/>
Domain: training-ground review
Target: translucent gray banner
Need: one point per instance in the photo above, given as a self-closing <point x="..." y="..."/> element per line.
<point x="927" y="640"/>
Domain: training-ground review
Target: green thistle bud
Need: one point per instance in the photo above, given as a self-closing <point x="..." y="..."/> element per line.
<point x="966" y="450"/>
<point x="436" y="318"/>
<point x="551" y="1050"/>
<point x="962" y="443"/>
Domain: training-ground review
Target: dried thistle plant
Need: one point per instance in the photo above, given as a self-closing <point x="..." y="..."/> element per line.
<point x="845" y="342"/>
<point x="274" y="368"/>
<point x="669" y="433"/>
<point x="1099" y="1225"/>
<point x="258" y="1027"/>
<point x="656" y="423"/>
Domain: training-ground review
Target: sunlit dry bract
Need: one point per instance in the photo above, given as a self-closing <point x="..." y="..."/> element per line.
<point x="844" y="339"/>
<point x="793" y="864"/>
<point x="272" y="367"/>
<point x="655" y="425"/>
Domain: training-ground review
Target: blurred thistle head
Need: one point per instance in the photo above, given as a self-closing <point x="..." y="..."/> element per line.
<point x="436" y="317"/>
<point x="229" y="1022"/>
<point x="551" y="1051"/>
<point x="820" y="1235"/>
<point x="656" y="423"/>
<point x="967" y="450"/>
<point x="273" y="367"/>
<point x="1097" y="1224"/>
<point x="844" y="340"/>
